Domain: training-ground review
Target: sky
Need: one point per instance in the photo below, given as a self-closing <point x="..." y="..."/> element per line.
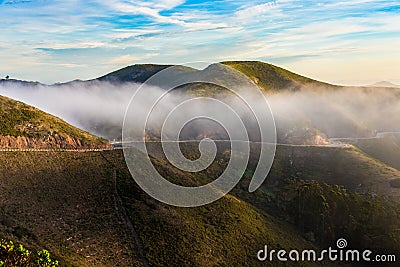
<point x="343" y="42"/>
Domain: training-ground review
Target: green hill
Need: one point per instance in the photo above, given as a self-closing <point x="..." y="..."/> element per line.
<point x="136" y="73"/>
<point x="345" y="166"/>
<point x="272" y="78"/>
<point x="23" y="126"/>
<point x="139" y="73"/>
<point x="267" y="76"/>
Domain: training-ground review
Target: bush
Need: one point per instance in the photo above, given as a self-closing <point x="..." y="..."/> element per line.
<point x="17" y="255"/>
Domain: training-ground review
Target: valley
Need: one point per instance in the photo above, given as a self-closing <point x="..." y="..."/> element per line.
<point x="68" y="205"/>
<point x="70" y="192"/>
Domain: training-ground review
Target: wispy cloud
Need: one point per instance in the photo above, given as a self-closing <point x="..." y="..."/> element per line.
<point x="59" y="35"/>
<point x="272" y="9"/>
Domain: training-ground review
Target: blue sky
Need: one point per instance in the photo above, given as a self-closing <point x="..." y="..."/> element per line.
<point x="346" y="42"/>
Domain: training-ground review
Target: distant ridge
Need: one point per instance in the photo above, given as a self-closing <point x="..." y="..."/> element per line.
<point x="19" y="82"/>
<point x="385" y="84"/>
<point x="268" y="77"/>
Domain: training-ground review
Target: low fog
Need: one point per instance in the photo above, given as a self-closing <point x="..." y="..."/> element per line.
<point x="310" y="115"/>
<point x="97" y="107"/>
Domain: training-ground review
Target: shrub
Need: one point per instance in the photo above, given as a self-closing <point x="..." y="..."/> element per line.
<point x="17" y="255"/>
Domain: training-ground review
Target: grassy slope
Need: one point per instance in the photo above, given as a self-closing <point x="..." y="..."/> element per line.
<point x="273" y="78"/>
<point x="136" y="73"/>
<point x="367" y="218"/>
<point x="267" y="76"/>
<point x="330" y="203"/>
<point x="228" y="232"/>
<point x="386" y="149"/>
<point x="64" y="202"/>
<point x="19" y="119"/>
<point x="139" y="73"/>
<point x="348" y="167"/>
<point x="66" y="205"/>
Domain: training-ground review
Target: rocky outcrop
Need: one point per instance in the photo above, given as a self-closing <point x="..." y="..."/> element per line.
<point x="48" y="142"/>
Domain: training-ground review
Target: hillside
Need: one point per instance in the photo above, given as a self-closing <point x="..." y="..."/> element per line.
<point x="68" y="205"/>
<point x="139" y="73"/>
<point x="87" y="210"/>
<point x="135" y="73"/>
<point x="267" y="76"/>
<point x="385" y="148"/>
<point x="23" y="126"/>
<point x="64" y="202"/>
<point x="345" y="166"/>
<point x="272" y="78"/>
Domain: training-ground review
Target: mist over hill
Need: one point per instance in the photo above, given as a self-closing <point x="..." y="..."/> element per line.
<point x="23" y="126"/>
<point x="306" y="111"/>
<point x="86" y="209"/>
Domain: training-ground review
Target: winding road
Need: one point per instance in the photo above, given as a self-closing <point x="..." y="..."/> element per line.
<point x="335" y="142"/>
<point x="54" y="150"/>
<point x="377" y="136"/>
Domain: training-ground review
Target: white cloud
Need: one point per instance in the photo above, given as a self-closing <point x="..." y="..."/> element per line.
<point x="160" y="4"/>
<point x="125" y="60"/>
<point x="152" y="9"/>
<point x="211" y="31"/>
<point x="271" y="8"/>
<point x="148" y="9"/>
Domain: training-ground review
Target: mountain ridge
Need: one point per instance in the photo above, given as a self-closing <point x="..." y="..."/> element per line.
<point x="269" y="77"/>
<point x="384" y="84"/>
<point x="139" y="73"/>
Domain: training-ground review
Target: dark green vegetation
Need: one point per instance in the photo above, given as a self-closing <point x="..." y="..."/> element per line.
<point x="17" y="255"/>
<point x="20" y="120"/>
<point x="385" y="149"/>
<point x="324" y="212"/>
<point x="346" y="166"/>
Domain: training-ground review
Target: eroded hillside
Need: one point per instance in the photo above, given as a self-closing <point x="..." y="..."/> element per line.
<point x="23" y="126"/>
